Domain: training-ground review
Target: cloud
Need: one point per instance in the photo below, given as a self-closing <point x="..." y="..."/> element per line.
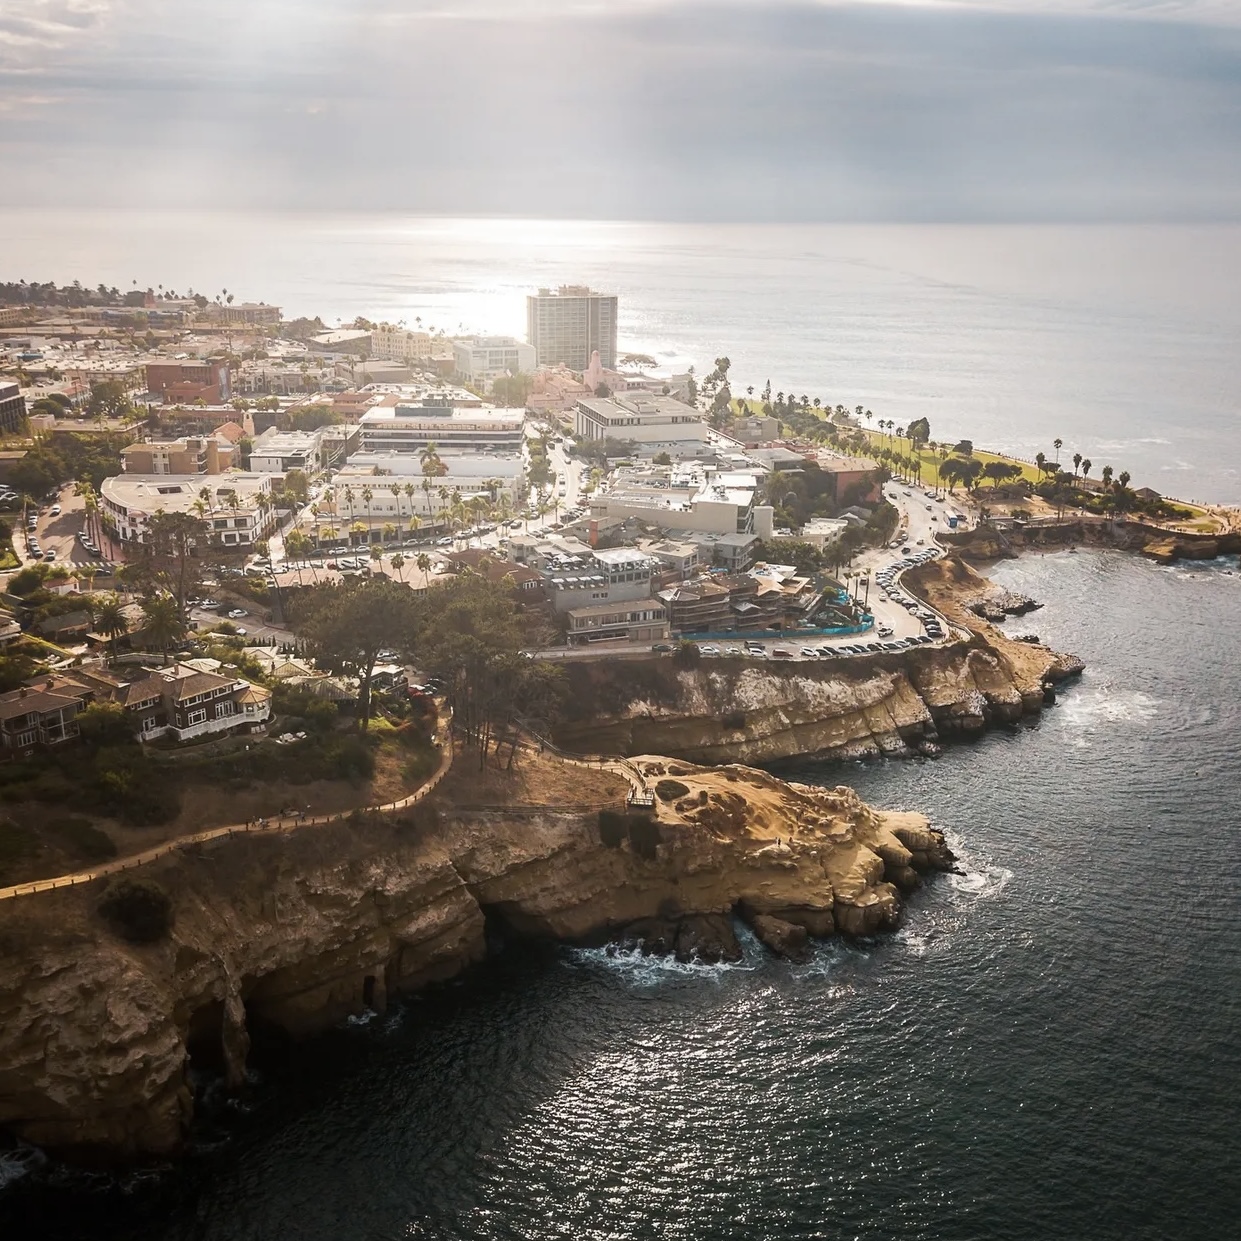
<point x="646" y="108"/>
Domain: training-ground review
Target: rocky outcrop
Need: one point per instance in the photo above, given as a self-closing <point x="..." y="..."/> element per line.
<point x="291" y="934"/>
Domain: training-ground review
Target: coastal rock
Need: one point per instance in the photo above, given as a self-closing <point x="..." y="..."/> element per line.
<point x="294" y="933"/>
<point x="785" y="939"/>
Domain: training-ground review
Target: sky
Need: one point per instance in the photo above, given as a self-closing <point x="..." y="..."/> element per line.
<point x="1028" y="110"/>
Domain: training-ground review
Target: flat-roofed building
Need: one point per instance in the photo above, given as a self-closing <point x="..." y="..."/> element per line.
<point x="615" y="575"/>
<point x="481" y="360"/>
<point x="12" y="408"/>
<point x="654" y="422"/>
<point x="278" y="452"/>
<point x="390" y="343"/>
<point x="237" y="507"/>
<point x="693" y="499"/>
<point x="189" y="379"/>
<point x="855" y="480"/>
<point x="644" y="621"/>
<point x="189" y="454"/>
<point x="411" y="428"/>
<point x="568" y="324"/>
<point x="250" y="313"/>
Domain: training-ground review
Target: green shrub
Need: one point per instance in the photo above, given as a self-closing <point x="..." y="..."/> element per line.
<point x="137" y="910"/>
<point x="670" y="790"/>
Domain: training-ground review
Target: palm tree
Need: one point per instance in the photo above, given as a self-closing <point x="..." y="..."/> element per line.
<point x="110" y="619"/>
<point x="398" y="563"/>
<point x="410" y="491"/>
<point x="367" y="496"/>
<point x="356" y="531"/>
<point x="162" y="621"/>
<point x="1057" y="444"/>
<point x="1040" y="460"/>
<point x="424" y="563"/>
<point x="1086" y="464"/>
<point x="1107" y="476"/>
<point x="377" y="555"/>
<point x="390" y="533"/>
<point x="1077" y="461"/>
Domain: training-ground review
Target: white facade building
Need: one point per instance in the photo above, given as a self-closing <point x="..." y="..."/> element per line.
<point x="568" y="324"/>
<point x="481" y="360"/>
<point x="693" y="499"/>
<point x="278" y="452"/>
<point x="237" y="507"/>
<point x="410" y="428"/>
<point x="654" y="422"/>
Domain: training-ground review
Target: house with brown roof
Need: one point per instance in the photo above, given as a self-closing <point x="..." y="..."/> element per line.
<point x="31" y="717"/>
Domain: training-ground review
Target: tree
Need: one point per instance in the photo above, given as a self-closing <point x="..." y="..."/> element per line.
<point x="163" y="621"/>
<point x="110" y="619"/>
<point x="1057" y="444"/>
<point x="1086" y="464"/>
<point x="398" y="564"/>
<point x="964" y="447"/>
<point x="174" y="542"/>
<point x="919" y="431"/>
<point x="348" y="625"/>
<point x="1107" y="476"/>
<point x="1077" y="462"/>
<point x="108" y="399"/>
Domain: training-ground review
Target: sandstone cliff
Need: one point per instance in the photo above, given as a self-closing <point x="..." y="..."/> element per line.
<point x="737" y="710"/>
<point x="297" y="932"/>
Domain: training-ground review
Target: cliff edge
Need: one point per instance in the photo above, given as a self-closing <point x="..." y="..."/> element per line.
<point x="727" y="710"/>
<point x="294" y="933"/>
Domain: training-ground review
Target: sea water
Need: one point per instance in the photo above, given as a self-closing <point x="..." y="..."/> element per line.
<point x="1121" y="341"/>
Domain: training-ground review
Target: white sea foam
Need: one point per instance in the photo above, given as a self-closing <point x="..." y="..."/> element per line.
<point x="652" y="971"/>
<point x="18" y="1163"/>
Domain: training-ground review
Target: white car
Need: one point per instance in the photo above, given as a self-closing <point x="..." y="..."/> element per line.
<point x="238" y="614"/>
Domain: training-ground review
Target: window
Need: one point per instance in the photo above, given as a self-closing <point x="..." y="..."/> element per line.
<point x="225" y="708"/>
<point x="196" y="717"/>
<point x="149" y="725"/>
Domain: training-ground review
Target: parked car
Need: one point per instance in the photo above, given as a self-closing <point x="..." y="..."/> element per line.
<point x="237" y="613"/>
<point x="49" y="555"/>
<point x="662" y="646"/>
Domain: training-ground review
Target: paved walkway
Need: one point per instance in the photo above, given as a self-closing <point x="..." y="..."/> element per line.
<point x="286" y="823"/>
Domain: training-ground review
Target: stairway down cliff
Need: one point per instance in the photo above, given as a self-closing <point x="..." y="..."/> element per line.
<point x="300" y="931"/>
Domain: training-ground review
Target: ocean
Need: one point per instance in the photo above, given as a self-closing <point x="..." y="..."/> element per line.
<point x="1048" y="1048"/>
<point x="1121" y="341"/>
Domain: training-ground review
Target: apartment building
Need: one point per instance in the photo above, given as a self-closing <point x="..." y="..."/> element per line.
<point x="252" y="314"/>
<point x="390" y="343"/>
<point x="568" y="324"/>
<point x="187" y="380"/>
<point x="237" y="507"/>
<point x="612" y="575"/>
<point x="481" y="360"/>
<point x="190" y="454"/>
<point x="12" y="408"/>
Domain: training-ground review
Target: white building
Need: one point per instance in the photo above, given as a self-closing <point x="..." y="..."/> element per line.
<point x="568" y="324"/>
<point x="237" y="507"/>
<point x="693" y="499"/>
<point x="278" y="452"/>
<point x="481" y="360"/>
<point x="410" y="428"/>
<point x="390" y="343"/>
<point x="655" y="423"/>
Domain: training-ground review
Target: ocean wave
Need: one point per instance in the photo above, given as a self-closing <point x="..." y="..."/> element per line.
<point x="651" y="971"/>
<point x="20" y="1162"/>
